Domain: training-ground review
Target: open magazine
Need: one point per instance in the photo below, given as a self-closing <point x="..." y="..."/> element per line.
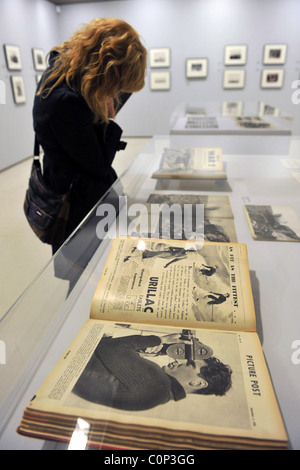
<point x="186" y="217"/>
<point x="169" y="358"/>
<point x="252" y="122"/>
<point x="194" y="163"/>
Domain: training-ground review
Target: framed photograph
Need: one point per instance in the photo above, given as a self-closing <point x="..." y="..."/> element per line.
<point x="235" y="55"/>
<point x="18" y="89"/>
<point x="234" y="79"/>
<point x="160" y="81"/>
<point x="272" y="78"/>
<point x="196" y="68"/>
<point x="38" y="56"/>
<point x="274" y="54"/>
<point x="13" y="57"/>
<point x="160" y="58"/>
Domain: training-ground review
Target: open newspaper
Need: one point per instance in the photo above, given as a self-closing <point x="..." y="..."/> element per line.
<point x="169" y="358"/>
<point x="194" y="163"/>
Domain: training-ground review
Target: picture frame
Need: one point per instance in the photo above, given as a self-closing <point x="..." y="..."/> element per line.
<point x="235" y="55"/>
<point x="234" y="79"/>
<point x="13" y="57"/>
<point x="160" y="80"/>
<point x="18" y="89"/>
<point x="274" y="54"/>
<point x="272" y="78"/>
<point x="160" y="57"/>
<point x="196" y="68"/>
<point x="38" y="56"/>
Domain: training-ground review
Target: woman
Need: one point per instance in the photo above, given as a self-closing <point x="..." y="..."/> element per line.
<point x="74" y="105"/>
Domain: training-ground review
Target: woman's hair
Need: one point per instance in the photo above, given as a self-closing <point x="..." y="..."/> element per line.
<point x="100" y="60"/>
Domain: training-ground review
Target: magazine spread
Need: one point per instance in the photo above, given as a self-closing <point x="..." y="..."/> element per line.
<point x="186" y="217"/>
<point x="146" y="403"/>
<point x="273" y="223"/>
<point x="252" y="122"/>
<point x="214" y="205"/>
<point x="199" y="163"/>
<point x="178" y="282"/>
<point x="200" y="122"/>
<point x="169" y="358"/>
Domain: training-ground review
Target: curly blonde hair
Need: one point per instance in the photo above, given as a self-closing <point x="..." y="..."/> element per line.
<point x="99" y="61"/>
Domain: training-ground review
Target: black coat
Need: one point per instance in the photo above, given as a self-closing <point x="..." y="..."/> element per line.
<point x="75" y="149"/>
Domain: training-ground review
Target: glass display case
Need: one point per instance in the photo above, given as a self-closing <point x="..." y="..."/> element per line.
<point x="41" y="324"/>
<point x="230" y="118"/>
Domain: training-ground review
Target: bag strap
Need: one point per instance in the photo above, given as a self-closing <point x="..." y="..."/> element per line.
<point x="36" y="150"/>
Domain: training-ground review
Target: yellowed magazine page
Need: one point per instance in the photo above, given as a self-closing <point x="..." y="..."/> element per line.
<point x="214" y="205"/>
<point x="135" y="375"/>
<point x="187" y="223"/>
<point x="153" y="223"/>
<point x="195" y="162"/>
<point x="176" y="282"/>
<point x="252" y="122"/>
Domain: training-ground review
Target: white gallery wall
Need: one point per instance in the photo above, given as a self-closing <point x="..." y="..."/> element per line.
<point x="27" y="24"/>
<point x="190" y="28"/>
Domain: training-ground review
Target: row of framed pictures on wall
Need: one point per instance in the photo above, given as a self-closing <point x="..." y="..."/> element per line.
<point x="161" y="58"/>
<point x="273" y="54"/>
<point x="14" y="59"/>
<point x="232" y="79"/>
<point x="234" y="55"/>
<point x="14" y="64"/>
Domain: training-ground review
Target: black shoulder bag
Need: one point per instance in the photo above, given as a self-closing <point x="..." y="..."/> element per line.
<point x="46" y="212"/>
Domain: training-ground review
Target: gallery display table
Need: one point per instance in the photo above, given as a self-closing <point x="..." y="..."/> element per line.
<point x="42" y="323"/>
<point x="229" y="118"/>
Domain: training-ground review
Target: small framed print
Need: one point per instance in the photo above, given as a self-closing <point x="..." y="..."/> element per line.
<point x="13" y="57"/>
<point x="274" y="54"/>
<point x="234" y="79"/>
<point x="272" y="78"/>
<point x="196" y="68"/>
<point x="18" y="89"/>
<point x="160" y="81"/>
<point x="38" y="56"/>
<point x="160" y="57"/>
<point x="235" y="55"/>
